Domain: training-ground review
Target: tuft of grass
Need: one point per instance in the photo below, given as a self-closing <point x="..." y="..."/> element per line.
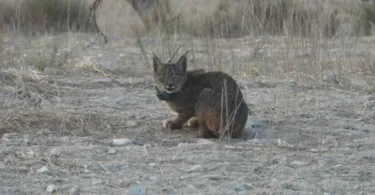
<point x="55" y="59"/>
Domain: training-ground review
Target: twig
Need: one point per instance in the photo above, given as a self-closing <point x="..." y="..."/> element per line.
<point x="139" y="42"/>
<point x="170" y="59"/>
<point x="92" y="17"/>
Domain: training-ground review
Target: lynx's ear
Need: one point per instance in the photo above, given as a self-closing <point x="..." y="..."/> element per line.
<point x="156" y="62"/>
<point x="181" y="63"/>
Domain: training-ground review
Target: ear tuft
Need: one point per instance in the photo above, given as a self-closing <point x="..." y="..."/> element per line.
<point x="182" y="62"/>
<point x="156" y="62"/>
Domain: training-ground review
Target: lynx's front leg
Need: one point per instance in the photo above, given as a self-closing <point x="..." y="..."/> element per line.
<point x="176" y="123"/>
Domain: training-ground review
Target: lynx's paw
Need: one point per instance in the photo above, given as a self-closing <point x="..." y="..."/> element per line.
<point x="167" y="122"/>
<point x="171" y="124"/>
<point x="192" y="122"/>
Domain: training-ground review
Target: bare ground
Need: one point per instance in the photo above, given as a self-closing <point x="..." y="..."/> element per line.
<point x="306" y="136"/>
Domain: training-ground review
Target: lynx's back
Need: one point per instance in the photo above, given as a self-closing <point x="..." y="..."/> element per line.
<point x="212" y="99"/>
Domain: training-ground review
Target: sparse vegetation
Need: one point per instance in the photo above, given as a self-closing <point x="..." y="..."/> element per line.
<point x="54" y="59"/>
<point x="31" y="16"/>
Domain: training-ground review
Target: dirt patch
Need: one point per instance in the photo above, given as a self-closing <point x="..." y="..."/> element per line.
<point x="58" y="126"/>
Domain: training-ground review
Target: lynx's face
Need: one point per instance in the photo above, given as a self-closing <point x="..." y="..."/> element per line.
<point x="169" y="77"/>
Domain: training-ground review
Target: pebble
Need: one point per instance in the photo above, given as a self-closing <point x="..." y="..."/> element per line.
<point x="137" y="190"/>
<point x="131" y="123"/>
<point x="205" y="141"/>
<point x="195" y="168"/>
<point x="121" y="142"/>
<point x="108" y="81"/>
<point x="55" y="152"/>
<point x="47" y="131"/>
<point x="292" y="85"/>
<point x="112" y="151"/>
<point x="297" y="163"/>
<point x="51" y="188"/>
<point x="2" y="166"/>
<point x="240" y="187"/>
<point x="74" y="191"/>
<point x="42" y="169"/>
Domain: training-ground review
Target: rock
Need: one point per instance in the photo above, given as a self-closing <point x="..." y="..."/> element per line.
<point x="121" y="142"/>
<point x="42" y="169"/>
<point x="107" y="81"/>
<point x="297" y="163"/>
<point x="292" y="85"/>
<point x="205" y="141"/>
<point x="47" y="131"/>
<point x="47" y="106"/>
<point x="2" y="166"/>
<point x="55" y="152"/>
<point x="26" y="140"/>
<point x="120" y="100"/>
<point x="51" y="188"/>
<point x="256" y="129"/>
<point x="137" y="190"/>
<point x="195" y="168"/>
<point x="112" y="151"/>
<point x="240" y="188"/>
<point x="74" y="191"/>
<point x="248" y="186"/>
<point x="131" y="123"/>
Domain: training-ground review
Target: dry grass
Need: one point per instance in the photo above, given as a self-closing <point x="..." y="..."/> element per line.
<point x="46" y="16"/>
<point x="217" y="18"/>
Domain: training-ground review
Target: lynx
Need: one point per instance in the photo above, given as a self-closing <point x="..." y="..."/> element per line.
<point x="210" y="101"/>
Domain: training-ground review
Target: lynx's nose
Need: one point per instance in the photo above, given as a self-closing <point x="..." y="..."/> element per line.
<point x="170" y="87"/>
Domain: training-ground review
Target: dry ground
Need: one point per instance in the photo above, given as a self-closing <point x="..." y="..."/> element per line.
<point x="306" y="136"/>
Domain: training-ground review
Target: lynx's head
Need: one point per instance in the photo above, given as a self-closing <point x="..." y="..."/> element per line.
<point x="169" y="77"/>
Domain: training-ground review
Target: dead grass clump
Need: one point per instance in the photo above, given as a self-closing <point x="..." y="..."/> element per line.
<point x="30" y="90"/>
<point x="232" y="19"/>
<point x="44" y="15"/>
<point x="63" y="123"/>
<point x="55" y="59"/>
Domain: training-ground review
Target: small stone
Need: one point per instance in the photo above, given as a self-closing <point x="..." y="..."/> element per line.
<point x="240" y="188"/>
<point x="42" y="169"/>
<point x="107" y="81"/>
<point x="292" y="85"/>
<point x="248" y="186"/>
<point x="137" y="190"/>
<point x="153" y="178"/>
<point x="131" y="123"/>
<point x="74" y="191"/>
<point x="297" y="163"/>
<point x="204" y="141"/>
<point x="55" y="152"/>
<point x="51" y="188"/>
<point x="2" y="166"/>
<point x="112" y="151"/>
<point x="47" y="131"/>
<point x="195" y="168"/>
<point x="121" y="142"/>
<point x="47" y="106"/>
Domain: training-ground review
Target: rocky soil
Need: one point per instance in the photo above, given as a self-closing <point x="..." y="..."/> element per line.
<point x="90" y="123"/>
